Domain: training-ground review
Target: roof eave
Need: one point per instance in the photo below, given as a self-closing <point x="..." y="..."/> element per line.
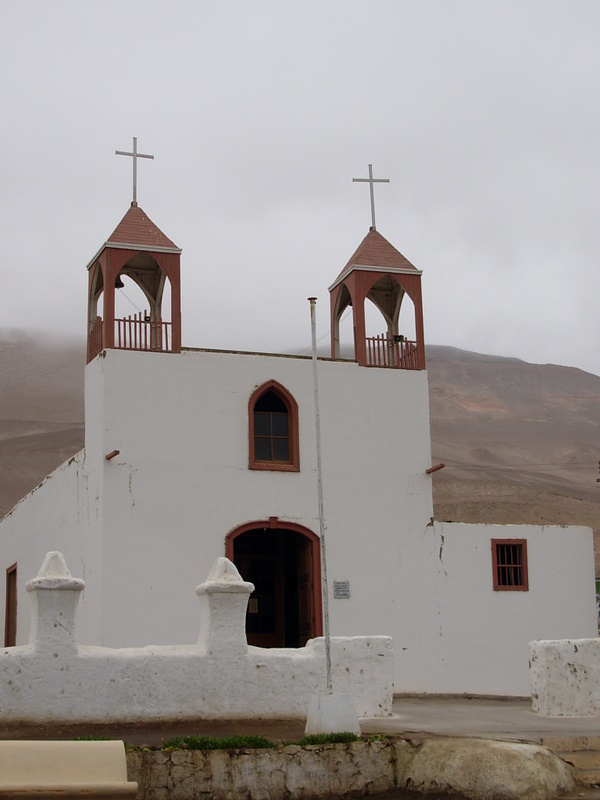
<point x="370" y="268"/>
<point x="136" y="247"/>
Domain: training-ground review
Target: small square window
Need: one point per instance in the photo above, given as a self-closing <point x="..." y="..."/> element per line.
<point x="509" y="563"/>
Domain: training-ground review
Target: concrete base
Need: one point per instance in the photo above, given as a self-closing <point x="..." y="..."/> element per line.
<point x="39" y="769"/>
<point x="331" y="713"/>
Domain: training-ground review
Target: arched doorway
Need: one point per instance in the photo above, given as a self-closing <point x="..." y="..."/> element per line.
<point x="282" y="560"/>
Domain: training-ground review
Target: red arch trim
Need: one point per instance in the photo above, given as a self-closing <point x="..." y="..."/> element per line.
<point x="281" y="524"/>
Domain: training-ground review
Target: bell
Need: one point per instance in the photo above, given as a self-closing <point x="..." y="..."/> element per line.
<point x="118" y="282"/>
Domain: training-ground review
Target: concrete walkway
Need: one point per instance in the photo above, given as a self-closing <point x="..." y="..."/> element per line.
<point x="414" y="717"/>
<point x="501" y="718"/>
<point x="508" y="719"/>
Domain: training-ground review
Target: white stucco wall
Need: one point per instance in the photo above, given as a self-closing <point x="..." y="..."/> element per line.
<point x="153" y="518"/>
<point x="470" y="638"/>
<point x="217" y="677"/>
<point x="182" y="481"/>
<point x="64" y="509"/>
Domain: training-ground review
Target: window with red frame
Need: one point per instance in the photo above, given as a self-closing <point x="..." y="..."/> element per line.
<point x="273" y="418"/>
<point x="271" y="429"/>
<point x="509" y="561"/>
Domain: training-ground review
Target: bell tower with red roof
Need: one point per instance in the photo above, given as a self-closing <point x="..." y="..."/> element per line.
<point x="379" y="273"/>
<point x="138" y="249"/>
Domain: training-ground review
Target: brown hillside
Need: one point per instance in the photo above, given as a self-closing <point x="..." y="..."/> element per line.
<point x="41" y="409"/>
<point x="520" y="441"/>
<point x="504" y="419"/>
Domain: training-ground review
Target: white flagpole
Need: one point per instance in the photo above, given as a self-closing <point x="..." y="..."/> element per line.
<point x="325" y="590"/>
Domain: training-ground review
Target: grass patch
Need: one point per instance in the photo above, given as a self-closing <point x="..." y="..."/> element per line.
<point x="93" y="738"/>
<point x="329" y="738"/>
<point x="218" y="743"/>
<point x="246" y="742"/>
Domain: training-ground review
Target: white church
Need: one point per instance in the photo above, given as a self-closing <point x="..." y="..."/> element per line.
<point x="191" y="454"/>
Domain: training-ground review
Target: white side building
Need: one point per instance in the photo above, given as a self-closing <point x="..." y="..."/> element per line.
<point x="192" y="454"/>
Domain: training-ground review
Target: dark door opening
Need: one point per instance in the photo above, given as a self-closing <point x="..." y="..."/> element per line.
<point x="279" y="563"/>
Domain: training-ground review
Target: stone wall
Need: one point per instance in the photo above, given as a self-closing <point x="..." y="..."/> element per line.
<point x="54" y="679"/>
<point x="472" y="768"/>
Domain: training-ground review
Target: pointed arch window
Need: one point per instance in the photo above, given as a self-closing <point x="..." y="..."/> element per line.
<point x="273" y="428"/>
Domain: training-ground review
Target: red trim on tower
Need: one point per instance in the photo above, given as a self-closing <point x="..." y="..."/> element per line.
<point x="139" y="249"/>
<point x="374" y="259"/>
<point x="376" y="251"/>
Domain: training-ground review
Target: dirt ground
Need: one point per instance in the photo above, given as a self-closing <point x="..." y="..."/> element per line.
<point x="153" y="735"/>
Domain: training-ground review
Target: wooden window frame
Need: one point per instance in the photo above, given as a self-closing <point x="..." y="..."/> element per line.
<point x="10" y="607"/>
<point x="293" y="464"/>
<point x="500" y="587"/>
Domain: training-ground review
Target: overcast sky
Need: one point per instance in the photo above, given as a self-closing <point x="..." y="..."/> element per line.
<point x="484" y="115"/>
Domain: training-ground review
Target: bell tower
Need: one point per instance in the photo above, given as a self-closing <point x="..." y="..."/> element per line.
<point x="138" y="249"/>
<point x="381" y="274"/>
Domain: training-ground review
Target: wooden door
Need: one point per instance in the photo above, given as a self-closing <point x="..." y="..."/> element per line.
<point x="280" y="563"/>
<point x="306" y="612"/>
<point x="259" y="558"/>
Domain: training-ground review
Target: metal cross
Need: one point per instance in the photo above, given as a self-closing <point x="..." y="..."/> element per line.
<point x="135" y="155"/>
<point x="371" y="180"/>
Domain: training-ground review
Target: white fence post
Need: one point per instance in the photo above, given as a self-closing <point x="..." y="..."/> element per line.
<point x="223" y="602"/>
<point x="55" y="595"/>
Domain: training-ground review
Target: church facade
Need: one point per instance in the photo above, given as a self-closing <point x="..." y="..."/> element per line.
<point x="191" y="454"/>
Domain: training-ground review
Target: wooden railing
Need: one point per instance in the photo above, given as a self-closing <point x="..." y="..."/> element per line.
<point x="140" y="333"/>
<point x="387" y="351"/>
<point x="132" y="333"/>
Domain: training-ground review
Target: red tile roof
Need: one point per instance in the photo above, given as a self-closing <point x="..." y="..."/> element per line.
<point x="137" y="229"/>
<point x="375" y="251"/>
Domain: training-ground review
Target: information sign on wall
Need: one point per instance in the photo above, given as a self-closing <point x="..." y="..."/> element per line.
<point x="341" y="590"/>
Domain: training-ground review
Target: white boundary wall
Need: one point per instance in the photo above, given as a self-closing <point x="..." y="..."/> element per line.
<point x="565" y="677"/>
<point x="53" y="679"/>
